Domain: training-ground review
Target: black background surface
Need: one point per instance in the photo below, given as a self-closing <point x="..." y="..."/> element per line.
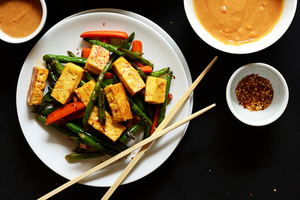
<point x="218" y="158"/>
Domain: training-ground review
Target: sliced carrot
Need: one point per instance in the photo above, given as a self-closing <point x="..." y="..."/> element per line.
<point x="110" y="34"/>
<point x="76" y="115"/>
<point x="64" y="111"/>
<point x="108" y="75"/>
<point x="137" y="45"/>
<point x="146" y="69"/>
<point x="85" y="52"/>
<point x="155" y="119"/>
<point x="105" y="40"/>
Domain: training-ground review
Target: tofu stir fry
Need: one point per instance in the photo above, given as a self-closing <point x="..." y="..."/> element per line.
<point x="100" y="99"/>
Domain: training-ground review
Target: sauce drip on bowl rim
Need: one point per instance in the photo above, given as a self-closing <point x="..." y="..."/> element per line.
<point x="20" y="18"/>
<point x="237" y="22"/>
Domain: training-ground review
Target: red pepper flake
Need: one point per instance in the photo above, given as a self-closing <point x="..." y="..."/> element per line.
<point x="104" y="24"/>
<point x="174" y="77"/>
<point x="251" y="194"/>
<point x="55" y="183"/>
<point x="254" y="92"/>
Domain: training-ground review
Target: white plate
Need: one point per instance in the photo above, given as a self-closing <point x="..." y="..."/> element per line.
<point x="50" y="146"/>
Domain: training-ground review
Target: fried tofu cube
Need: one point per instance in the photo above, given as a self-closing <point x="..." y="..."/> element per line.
<point x="67" y="83"/>
<point x="84" y="92"/>
<point x="37" y="85"/>
<point x="118" y="102"/>
<point x="155" y="90"/>
<point x="128" y="76"/>
<point x="97" y="59"/>
<point x="112" y="128"/>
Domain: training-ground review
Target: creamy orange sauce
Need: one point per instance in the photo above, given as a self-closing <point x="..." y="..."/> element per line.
<point x="20" y="18"/>
<point x="237" y="22"/>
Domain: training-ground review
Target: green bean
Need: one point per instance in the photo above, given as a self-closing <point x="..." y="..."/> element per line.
<point x="46" y="112"/>
<point x="129" y="40"/>
<point x="139" y="71"/>
<point x="139" y="102"/>
<point x="88" y="76"/>
<point x="150" y="113"/>
<point x="130" y="132"/>
<point x="121" y="52"/>
<point x="162" y="111"/>
<point x="77" y="139"/>
<point x="52" y="77"/>
<point x="92" y="143"/>
<point x="101" y="106"/>
<point x="64" y="59"/>
<point x="160" y="72"/>
<point x="82" y="82"/>
<point x="107" y="82"/>
<point x="95" y="94"/>
<point x="103" y="141"/>
<point x="108" y="47"/>
<point x="59" y="128"/>
<point x="85" y="155"/>
<point x="51" y="100"/>
<point x="71" y="54"/>
<point x="58" y="67"/>
<point x="137" y="57"/>
<point x="137" y="110"/>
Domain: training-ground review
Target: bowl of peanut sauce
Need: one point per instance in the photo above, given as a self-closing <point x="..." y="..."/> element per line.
<point x="21" y="20"/>
<point x="240" y="26"/>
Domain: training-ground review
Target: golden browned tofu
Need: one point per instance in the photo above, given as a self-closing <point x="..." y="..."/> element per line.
<point x="118" y="102"/>
<point x="97" y="59"/>
<point x="67" y="83"/>
<point x="112" y="128"/>
<point x="155" y="90"/>
<point x="128" y="76"/>
<point x="37" y="85"/>
<point x="84" y="92"/>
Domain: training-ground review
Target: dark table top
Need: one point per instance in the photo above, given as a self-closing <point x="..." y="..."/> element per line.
<point x="218" y="158"/>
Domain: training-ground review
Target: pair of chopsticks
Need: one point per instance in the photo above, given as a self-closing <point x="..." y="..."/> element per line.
<point x="145" y="144"/>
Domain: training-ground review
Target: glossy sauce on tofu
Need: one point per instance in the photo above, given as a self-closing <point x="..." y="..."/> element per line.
<point x="20" y="18"/>
<point x="237" y="22"/>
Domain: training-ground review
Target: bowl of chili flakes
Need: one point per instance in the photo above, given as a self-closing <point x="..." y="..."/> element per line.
<point x="257" y="94"/>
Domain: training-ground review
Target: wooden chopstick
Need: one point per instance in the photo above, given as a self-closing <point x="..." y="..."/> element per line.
<point x="159" y="128"/>
<point x="126" y="152"/>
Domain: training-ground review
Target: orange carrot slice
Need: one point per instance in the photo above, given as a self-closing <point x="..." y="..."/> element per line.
<point x="110" y="34"/>
<point x="64" y="112"/>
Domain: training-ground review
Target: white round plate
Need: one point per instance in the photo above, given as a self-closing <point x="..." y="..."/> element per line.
<point x="51" y="147"/>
